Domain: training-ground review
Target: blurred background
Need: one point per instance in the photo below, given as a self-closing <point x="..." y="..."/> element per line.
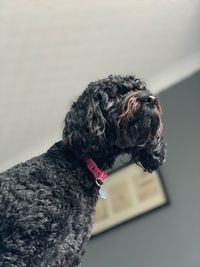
<point x="49" y="52"/>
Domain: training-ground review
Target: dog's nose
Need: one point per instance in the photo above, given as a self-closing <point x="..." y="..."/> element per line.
<point x="152" y="99"/>
<point x="149" y="99"/>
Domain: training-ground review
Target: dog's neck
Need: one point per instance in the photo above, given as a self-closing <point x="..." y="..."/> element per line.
<point x="105" y="159"/>
<point x="61" y="154"/>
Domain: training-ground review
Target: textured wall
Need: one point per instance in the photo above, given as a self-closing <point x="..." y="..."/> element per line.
<point x="169" y="236"/>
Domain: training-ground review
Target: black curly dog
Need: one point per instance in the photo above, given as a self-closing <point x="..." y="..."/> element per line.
<point x="47" y="203"/>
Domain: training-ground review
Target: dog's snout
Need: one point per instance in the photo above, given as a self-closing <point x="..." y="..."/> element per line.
<point x="152" y="99"/>
<point x="149" y="99"/>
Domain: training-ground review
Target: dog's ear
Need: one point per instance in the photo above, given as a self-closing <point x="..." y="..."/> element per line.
<point x="153" y="155"/>
<point x="85" y="126"/>
<point x="96" y="119"/>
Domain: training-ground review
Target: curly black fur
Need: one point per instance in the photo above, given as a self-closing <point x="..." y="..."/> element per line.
<point x="47" y="203"/>
<point x="116" y="114"/>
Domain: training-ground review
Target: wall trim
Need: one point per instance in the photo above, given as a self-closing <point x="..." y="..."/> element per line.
<point x="176" y="73"/>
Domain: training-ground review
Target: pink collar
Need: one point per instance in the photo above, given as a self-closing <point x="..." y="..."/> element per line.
<point x="99" y="174"/>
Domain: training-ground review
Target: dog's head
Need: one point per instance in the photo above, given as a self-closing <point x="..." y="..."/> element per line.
<point x="117" y="115"/>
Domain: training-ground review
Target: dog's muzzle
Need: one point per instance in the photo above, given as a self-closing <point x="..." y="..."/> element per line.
<point x="151" y="99"/>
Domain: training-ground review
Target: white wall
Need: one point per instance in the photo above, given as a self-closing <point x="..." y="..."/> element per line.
<point x="50" y="50"/>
